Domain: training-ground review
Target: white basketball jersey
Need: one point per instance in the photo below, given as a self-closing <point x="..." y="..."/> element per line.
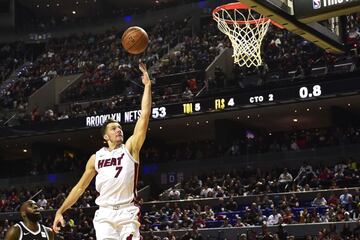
<point x="116" y="178"/>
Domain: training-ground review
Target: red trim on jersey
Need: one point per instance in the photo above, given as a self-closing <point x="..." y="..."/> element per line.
<point x="139" y="213"/>
<point x="129" y="237"/>
<point x="136" y="175"/>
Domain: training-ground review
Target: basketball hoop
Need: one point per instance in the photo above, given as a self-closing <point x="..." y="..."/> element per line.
<point x="245" y="29"/>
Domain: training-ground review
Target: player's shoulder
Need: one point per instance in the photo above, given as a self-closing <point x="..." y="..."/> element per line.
<point x="49" y="230"/>
<point x="16" y="227"/>
<point x="14" y="232"/>
<point x="100" y="151"/>
<point x="46" y="228"/>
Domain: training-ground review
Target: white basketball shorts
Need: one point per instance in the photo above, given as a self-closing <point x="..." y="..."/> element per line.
<point x="117" y="223"/>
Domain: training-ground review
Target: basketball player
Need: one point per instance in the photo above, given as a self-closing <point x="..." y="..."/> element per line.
<point x="29" y="228"/>
<point x="116" y="168"/>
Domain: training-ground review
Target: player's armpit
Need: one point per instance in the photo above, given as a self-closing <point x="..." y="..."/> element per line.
<point x="13" y="233"/>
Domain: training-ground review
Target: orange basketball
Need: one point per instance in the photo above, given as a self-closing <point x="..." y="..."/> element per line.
<point x="135" y="40"/>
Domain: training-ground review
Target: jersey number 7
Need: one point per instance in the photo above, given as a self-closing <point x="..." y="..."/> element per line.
<point x="118" y="169"/>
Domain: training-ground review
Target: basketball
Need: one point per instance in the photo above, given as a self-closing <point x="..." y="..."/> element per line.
<point x="135" y="40"/>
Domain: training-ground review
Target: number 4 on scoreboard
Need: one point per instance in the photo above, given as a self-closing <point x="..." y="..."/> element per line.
<point x="231" y="102"/>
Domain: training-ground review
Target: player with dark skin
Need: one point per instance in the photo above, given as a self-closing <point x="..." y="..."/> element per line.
<point x="31" y="216"/>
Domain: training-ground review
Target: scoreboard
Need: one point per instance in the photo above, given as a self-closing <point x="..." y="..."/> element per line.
<point x="238" y="101"/>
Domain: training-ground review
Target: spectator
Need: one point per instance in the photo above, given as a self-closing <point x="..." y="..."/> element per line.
<point x="239" y="223"/>
<point x="231" y="205"/>
<point x="266" y="202"/>
<point x="344" y="198"/>
<point x="293" y="201"/>
<point x="288" y="216"/>
<point x="285" y="179"/>
<point x="329" y="216"/>
<point x="333" y="200"/>
<point x="339" y="170"/>
<point x="274" y="218"/>
<point x="42" y="202"/>
<point x="305" y="173"/>
<point x="192" y="84"/>
<point x="319" y="201"/>
<point x="304" y="216"/>
<point x="187" y="94"/>
<point x="226" y="224"/>
<point x="174" y="194"/>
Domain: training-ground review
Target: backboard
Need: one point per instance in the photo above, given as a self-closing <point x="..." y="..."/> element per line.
<point x="318" y="21"/>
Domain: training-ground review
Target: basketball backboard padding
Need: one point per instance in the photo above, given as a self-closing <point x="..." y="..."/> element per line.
<point x="314" y="32"/>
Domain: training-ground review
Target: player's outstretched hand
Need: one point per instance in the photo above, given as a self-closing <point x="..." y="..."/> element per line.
<point x="145" y="77"/>
<point x="58" y="219"/>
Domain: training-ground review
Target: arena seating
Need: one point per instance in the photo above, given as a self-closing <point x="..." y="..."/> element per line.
<point x="111" y="71"/>
<point x="321" y="201"/>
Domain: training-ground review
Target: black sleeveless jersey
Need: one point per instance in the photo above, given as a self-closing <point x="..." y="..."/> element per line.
<point x="27" y="234"/>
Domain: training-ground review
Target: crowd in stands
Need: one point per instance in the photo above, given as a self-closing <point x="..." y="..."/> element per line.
<point x="158" y="152"/>
<point x="196" y="52"/>
<point x="353" y="31"/>
<point x="241" y="182"/>
<point x="253" y="181"/>
<point x="273" y="210"/>
<point x="105" y="66"/>
<point x="266" y="210"/>
<point x="48" y="163"/>
<point x="108" y="13"/>
<point x="284" y="52"/>
<point x="252" y="143"/>
<point x="100" y="57"/>
<point x="109" y="71"/>
<point x="114" y="74"/>
<point x="51" y="197"/>
<point x="11" y="56"/>
<point x="248" y="182"/>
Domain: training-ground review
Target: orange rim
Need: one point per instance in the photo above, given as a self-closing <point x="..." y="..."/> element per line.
<point x="238" y="5"/>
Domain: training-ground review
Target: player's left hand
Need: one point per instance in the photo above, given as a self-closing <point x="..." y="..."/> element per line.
<point x="145" y="77"/>
<point x="59" y="219"/>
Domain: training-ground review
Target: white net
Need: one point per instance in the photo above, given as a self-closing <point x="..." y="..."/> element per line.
<point x="246" y="30"/>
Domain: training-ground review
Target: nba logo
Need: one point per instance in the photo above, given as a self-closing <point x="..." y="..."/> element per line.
<point x="316" y="4"/>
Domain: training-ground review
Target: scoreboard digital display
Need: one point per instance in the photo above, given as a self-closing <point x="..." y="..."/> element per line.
<point x="319" y="90"/>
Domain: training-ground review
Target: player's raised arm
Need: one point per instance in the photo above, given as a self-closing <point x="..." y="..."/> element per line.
<point x="135" y="142"/>
<point x="75" y="193"/>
